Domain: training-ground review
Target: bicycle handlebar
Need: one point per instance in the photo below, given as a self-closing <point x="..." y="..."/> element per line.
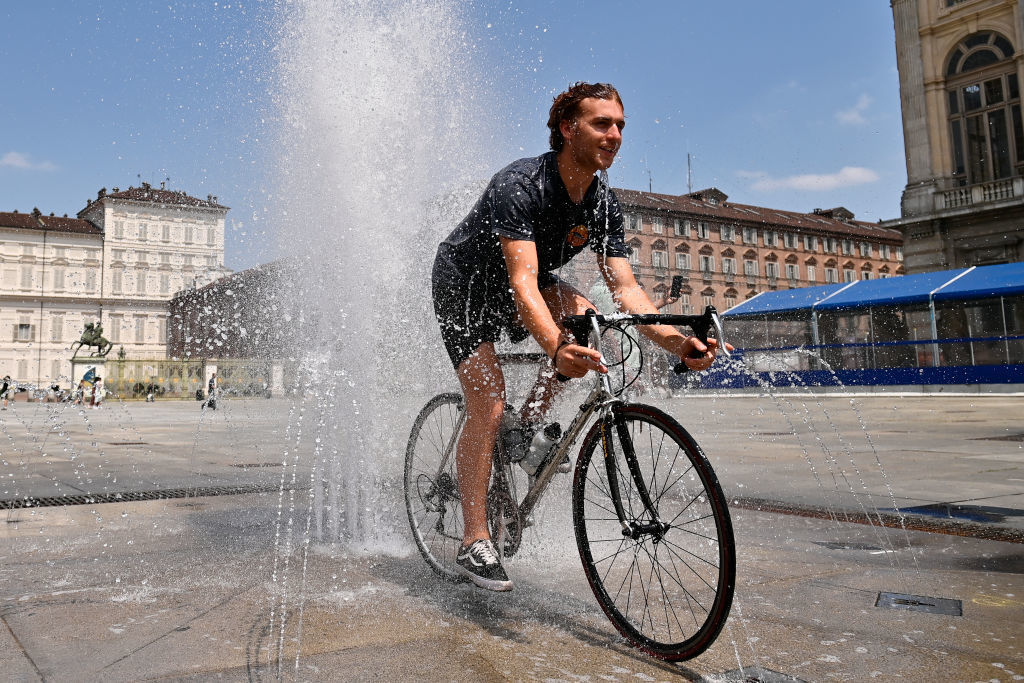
<point x="701" y="325"/>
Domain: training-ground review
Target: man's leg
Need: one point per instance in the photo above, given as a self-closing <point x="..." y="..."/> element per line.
<point x="562" y="300"/>
<point x="483" y="386"/>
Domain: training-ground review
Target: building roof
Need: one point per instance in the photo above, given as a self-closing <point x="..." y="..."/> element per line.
<point x="37" y="221"/>
<point x="150" y="194"/>
<point x="698" y="204"/>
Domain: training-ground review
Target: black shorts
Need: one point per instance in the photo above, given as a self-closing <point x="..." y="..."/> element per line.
<point x="471" y="314"/>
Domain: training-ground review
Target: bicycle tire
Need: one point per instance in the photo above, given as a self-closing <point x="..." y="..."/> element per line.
<point x="668" y="596"/>
<point x="431" y="486"/>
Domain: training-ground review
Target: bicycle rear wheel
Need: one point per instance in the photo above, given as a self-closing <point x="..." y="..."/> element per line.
<point x="667" y="587"/>
<point x="431" y="486"/>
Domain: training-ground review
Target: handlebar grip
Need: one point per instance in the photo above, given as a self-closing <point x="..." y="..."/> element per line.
<point x="681" y="367"/>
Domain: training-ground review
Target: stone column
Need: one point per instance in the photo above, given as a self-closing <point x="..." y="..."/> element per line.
<point x="917" y="196"/>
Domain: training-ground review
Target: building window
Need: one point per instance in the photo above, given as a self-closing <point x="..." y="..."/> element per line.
<point x="792" y="271"/>
<point x="899" y="253"/>
<point x="23" y="332"/>
<point x="730" y="301"/>
<point x="57" y="327"/>
<point x="684" y="301"/>
<point x="659" y="259"/>
<point x="58" y="278"/>
<point x="140" y="330"/>
<point x="634" y="255"/>
<point x="117" y="255"/>
<point x="812" y="273"/>
<point x="810" y="243"/>
<point x="165" y="232"/>
<point x="115" y="281"/>
<point x="789" y="240"/>
<point x="886" y="251"/>
<point x="115" y="329"/>
<point x="709" y="299"/>
<point x="831" y="245"/>
<point x="849" y="275"/>
<point x="703" y="230"/>
<point x="211" y="236"/>
<point x="143" y="232"/>
<point x="633" y="222"/>
<point x="161" y="330"/>
<point x="165" y="284"/>
<point x="26" y="277"/>
<point x="865" y="275"/>
<point x="771" y="270"/>
<point x="749" y="235"/>
<point x="682" y="261"/>
<point x="188" y="234"/>
<point x="140" y="283"/>
<point x="119" y="230"/>
<point x="984" y="109"/>
<point x="728" y="265"/>
<point x="707" y="264"/>
<point x="90" y="280"/>
<point x="682" y="227"/>
<point x="831" y="276"/>
<point x="750" y="267"/>
<point x="728" y="233"/>
<point x="865" y="250"/>
<point x="847" y="247"/>
<point x="656" y="226"/>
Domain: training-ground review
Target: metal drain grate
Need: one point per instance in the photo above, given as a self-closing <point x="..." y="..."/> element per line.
<point x="246" y="465"/>
<point x="128" y="443"/>
<point x="846" y="545"/>
<point x="753" y="674"/>
<point x="920" y="603"/>
<point x="131" y="496"/>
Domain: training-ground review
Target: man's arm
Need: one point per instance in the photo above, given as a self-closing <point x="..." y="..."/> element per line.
<point x="629" y="297"/>
<point x="569" y="359"/>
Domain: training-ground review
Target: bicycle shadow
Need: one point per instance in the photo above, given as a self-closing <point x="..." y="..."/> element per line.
<point x="509" y="615"/>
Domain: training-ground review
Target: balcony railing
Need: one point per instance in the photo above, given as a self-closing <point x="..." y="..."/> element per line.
<point x="981" y="193"/>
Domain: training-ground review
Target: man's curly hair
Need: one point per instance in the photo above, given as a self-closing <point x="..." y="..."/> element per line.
<point x="567" y="106"/>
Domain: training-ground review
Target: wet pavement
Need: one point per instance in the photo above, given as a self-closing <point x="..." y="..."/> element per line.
<point x="230" y="587"/>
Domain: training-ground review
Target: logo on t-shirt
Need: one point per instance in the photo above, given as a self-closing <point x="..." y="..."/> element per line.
<point x="578" y="236"/>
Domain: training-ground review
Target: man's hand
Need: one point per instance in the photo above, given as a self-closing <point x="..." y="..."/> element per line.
<point x="575" y="361"/>
<point x="692" y="345"/>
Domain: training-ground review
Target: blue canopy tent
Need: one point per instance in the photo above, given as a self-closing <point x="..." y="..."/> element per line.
<point x="860" y="322"/>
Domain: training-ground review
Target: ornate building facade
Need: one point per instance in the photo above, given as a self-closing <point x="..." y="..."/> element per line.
<point x="961" y="67"/>
<point x="727" y="252"/>
<point x="118" y="263"/>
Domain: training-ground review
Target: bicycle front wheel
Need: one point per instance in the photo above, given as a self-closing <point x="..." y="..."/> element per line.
<point x="667" y="582"/>
<point x="431" y="485"/>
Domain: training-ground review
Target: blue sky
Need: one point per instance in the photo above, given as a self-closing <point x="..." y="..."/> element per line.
<point x="789" y="105"/>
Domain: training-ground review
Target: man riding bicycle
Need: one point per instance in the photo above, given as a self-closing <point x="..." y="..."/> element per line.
<point x="493" y="273"/>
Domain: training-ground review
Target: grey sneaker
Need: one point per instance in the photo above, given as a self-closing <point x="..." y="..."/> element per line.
<point x="480" y="564"/>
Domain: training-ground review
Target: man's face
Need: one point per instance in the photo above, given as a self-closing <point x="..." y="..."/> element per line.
<point x="595" y="136"/>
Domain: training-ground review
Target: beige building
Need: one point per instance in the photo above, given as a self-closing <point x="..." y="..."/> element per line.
<point x="961" y="66"/>
<point x="118" y="263"/>
<point x="727" y="252"/>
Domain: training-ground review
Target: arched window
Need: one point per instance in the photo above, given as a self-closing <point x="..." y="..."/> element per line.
<point x="983" y="95"/>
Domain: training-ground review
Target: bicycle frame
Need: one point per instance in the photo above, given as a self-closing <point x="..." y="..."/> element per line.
<point x="602" y="401"/>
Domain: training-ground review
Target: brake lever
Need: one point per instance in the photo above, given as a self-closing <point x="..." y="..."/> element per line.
<point x="700" y="331"/>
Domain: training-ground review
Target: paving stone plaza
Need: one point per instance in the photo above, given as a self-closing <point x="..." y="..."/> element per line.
<point x="220" y="580"/>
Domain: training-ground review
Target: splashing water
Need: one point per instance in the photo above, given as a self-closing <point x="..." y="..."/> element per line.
<point x="374" y="100"/>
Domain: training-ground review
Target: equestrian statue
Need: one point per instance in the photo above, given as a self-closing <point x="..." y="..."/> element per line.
<point x="92" y="336"/>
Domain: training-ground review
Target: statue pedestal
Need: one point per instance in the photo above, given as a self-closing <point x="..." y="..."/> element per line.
<point x="81" y="366"/>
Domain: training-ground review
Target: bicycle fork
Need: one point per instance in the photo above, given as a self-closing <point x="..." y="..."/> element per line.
<point x="612" y="423"/>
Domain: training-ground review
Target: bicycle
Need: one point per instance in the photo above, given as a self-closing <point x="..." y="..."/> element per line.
<point x="651" y="522"/>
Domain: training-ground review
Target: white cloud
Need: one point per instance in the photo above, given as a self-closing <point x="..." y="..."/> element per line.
<point x="854" y="116"/>
<point x="22" y="161"/>
<point x="847" y="176"/>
